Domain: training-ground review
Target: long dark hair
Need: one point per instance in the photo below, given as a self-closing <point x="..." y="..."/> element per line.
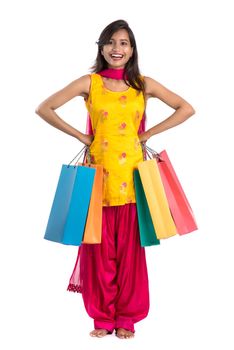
<point x="132" y="73"/>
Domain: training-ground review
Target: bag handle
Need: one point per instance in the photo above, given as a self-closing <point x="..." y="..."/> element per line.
<point x="150" y="152"/>
<point x="84" y="151"/>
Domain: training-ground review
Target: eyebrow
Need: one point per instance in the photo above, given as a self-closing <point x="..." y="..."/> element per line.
<point x="120" y="39"/>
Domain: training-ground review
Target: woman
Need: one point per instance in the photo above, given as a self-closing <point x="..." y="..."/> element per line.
<point x="112" y="276"/>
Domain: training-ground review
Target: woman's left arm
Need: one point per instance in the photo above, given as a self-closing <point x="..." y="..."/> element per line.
<point x="183" y="110"/>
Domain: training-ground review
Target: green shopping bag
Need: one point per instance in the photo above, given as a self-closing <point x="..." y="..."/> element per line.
<point x="147" y="232"/>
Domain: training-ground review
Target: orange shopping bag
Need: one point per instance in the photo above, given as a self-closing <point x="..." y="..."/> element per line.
<point x="93" y="226"/>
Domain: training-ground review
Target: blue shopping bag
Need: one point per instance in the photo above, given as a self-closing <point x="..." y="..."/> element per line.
<point x="67" y="219"/>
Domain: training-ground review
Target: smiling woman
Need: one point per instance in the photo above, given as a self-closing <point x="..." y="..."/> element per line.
<point x="118" y="50"/>
<point x="112" y="276"/>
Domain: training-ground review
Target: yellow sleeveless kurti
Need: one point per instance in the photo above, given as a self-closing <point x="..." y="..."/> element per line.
<point x="115" y="118"/>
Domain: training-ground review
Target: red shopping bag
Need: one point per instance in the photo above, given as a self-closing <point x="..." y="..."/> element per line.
<point x="179" y="205"/>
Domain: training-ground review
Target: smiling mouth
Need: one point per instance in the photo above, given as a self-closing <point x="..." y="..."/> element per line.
<point x="116" y="55"/>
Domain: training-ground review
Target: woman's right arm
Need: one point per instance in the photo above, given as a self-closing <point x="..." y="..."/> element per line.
<point x="46" y="109"/>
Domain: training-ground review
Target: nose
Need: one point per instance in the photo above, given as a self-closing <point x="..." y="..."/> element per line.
<point x="115" y="46"/>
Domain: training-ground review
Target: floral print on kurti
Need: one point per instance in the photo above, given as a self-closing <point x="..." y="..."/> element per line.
<point x="115" y="117"/>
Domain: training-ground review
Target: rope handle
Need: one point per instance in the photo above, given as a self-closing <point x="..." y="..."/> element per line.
<point x="150" y="152"/>
<point x="85" y="151"/>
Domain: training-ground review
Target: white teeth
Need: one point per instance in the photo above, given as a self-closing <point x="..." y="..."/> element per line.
<point x="116" y="55"/>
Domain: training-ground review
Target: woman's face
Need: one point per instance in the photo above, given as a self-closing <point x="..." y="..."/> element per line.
<point x="118" y="51"/>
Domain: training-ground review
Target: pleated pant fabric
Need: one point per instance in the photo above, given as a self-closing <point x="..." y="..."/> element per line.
<point x="112" y="276"/>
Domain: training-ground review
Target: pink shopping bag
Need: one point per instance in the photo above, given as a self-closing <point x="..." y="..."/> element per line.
<point x="179" y="205"/>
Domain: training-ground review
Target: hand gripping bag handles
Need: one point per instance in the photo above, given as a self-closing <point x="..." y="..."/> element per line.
<point x="178" y="203"/>
<point x="72" y="201"/>
<point x="156" y="198"/>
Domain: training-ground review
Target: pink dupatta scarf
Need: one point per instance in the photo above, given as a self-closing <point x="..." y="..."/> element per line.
<point x="117" y="74"/>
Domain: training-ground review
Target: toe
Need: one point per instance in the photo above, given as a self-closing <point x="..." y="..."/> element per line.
<point x="99" y="333"/>
<point x="124" y="333"/>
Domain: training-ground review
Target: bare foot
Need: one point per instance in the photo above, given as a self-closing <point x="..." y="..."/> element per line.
<point x="99" y="333"/>
<point x="124" y="333"/>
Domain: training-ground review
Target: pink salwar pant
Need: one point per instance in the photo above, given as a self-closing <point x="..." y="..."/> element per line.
<point x="112" y="276"/>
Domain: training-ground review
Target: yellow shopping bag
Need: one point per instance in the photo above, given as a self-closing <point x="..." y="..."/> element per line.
<point x="156" y="199"/>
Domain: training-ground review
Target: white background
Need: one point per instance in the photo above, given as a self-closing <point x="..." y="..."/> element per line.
<point x="185" y="45"/>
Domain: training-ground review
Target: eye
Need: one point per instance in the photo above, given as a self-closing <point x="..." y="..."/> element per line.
<point x="123" y="43"/>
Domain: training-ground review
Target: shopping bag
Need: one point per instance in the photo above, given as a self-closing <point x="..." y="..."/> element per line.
<point x="156" y="199"/>
<point x="70" y="206"/>
<point x="179" y="205"/>
<point x="146" y="227"/>
<point x="93" y="226"/>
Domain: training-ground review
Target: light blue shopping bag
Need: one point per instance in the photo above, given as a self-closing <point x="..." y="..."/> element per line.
<point x="67" y="219"/>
